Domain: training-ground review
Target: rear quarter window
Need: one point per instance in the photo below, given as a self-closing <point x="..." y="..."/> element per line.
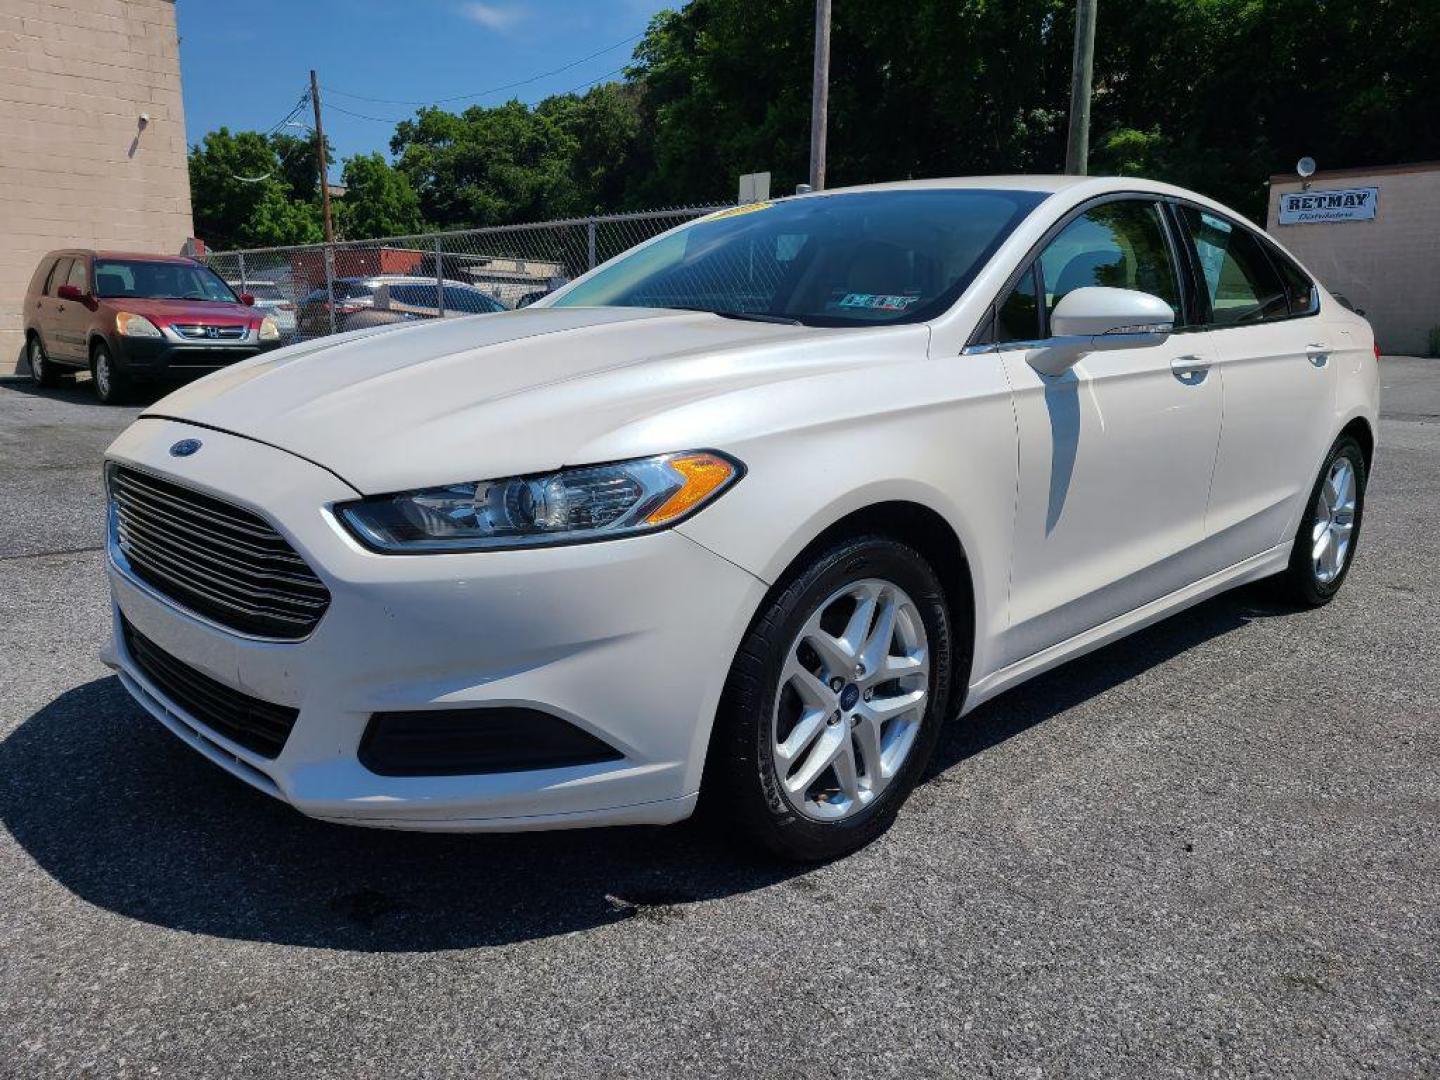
<point x="57" y="275"/>
<point x="1299" y="289"/>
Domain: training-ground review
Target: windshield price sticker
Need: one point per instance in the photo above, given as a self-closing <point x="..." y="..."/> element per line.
<point x="876" y="301"/>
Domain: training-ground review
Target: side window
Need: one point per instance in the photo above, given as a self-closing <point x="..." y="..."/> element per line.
<point x="415" y="295"/>
<point x="58" y="273"/>
<point x="79" y="276"/>
<point x="469" y="300"/>
<point x="1238" y="279"/>
<point x="1018" y="318"/>
<point x="1121" y="245"/>
<point x="1298" y="286"/>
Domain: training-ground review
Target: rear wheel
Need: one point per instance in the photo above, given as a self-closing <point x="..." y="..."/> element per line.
<point x="1330" y="528"/>
<point x="112" y="386"/>
<point x="42" y="371"/>
<point x="834" y="702"/>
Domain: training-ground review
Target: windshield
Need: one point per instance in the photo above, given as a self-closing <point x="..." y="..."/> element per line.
<point x="159" y="281"/>
<point x="878" y="257"/>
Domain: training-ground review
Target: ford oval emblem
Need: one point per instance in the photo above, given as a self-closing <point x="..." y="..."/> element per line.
<point x="185" y="447"/>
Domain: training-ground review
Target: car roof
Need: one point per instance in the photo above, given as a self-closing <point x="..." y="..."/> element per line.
<point x="133" y="256"/>
<point x="400" y="279"/>
<point x="1038" y="183"/>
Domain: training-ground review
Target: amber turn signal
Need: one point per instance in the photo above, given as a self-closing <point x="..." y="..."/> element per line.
<point x="704" y="474"/>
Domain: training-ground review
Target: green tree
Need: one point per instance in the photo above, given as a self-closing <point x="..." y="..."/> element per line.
<point x="297" y="164"/>
<point x="488" y="166"/>
<point x="602" y="128"/>
<point x="1215" y="95"/>
<point x="379" y="200"/>
<point x="240" y="198"/>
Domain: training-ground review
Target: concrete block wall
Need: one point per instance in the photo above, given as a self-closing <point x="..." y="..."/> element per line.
<point x="76" y="167"/>
<point x="1389" y="266"/>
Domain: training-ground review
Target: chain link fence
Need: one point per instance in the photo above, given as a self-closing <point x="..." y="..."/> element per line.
<point x="318" y="289"/>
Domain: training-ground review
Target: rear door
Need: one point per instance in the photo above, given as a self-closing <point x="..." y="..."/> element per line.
<point x="72" y="317"/>
<point x="1116" y="454"/>
<point x="47" y="306"/>
<point x="1277" y="382"/>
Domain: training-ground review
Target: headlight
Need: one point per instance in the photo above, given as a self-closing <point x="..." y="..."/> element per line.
<point x="593" y="502"/>
<point x="128" y="325"/>
<point x="268" y="330"/>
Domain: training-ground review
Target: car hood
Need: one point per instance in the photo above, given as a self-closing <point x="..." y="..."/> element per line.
<point x="164" y="312"/>
<point x="420" y="404"/>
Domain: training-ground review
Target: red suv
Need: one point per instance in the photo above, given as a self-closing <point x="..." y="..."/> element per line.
<point x="131" y="317"/>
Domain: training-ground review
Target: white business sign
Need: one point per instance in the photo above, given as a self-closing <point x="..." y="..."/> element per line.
<point x="1342" y="204"/>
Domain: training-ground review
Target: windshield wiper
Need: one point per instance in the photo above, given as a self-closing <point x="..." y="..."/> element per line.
<point x="746" y="316"/>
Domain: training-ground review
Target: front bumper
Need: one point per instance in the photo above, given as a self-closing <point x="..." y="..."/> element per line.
<point x="162" y="358"/>
<point x="630" y="640"/>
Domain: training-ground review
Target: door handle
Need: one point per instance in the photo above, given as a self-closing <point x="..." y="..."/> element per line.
<point x="1318" y="352"/>
<point x="1190" y="370"/>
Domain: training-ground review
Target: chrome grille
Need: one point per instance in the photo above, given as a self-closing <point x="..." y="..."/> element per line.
<point x="202" y="332"/>
<point x="213" y="558"/>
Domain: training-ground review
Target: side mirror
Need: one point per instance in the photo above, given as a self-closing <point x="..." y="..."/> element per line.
<point x="247" y="299"/>
<point x="70" y="292"/>
<point x="382" y="298"/>
<point x="1097" y="318"/>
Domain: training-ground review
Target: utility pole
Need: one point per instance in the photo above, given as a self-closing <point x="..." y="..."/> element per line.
<point x="820" y="95"/>
<point x="1077" y="146"/>
<point x="320" y="153"/>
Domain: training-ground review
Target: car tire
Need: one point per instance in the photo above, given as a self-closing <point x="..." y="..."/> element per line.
<point x="112" y="386"/>
<point x="43" y="372"/>
<point x="1329" y="531"/>
<point x="769" y="709"/>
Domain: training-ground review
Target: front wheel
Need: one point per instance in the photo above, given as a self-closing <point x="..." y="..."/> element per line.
<point x="112" y="386"/>
<point x="1330" y="528"/>
<point x="834" y="702"/>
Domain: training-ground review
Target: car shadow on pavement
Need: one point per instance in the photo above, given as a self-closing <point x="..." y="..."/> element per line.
<point x="77" y="391"/>
<point x="125" y="816"/>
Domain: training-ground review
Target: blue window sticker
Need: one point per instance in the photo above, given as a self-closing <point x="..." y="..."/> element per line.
<point x="876" y="301"/>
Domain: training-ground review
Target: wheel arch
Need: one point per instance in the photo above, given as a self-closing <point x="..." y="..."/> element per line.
<point x="1360" y="430"/>
<point x="929" y="533"/>
<point x="923" y="528"/>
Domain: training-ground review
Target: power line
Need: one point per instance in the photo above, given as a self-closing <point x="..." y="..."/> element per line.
<point x="484" y="93"/>
<point x="299" y="105"/>
<point x="398" y="119"/>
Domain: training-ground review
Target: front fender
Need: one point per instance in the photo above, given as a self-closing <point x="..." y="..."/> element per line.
<point x="956" y="457"/>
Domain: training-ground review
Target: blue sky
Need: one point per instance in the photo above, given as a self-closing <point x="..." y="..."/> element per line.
<point x="245" y="65"/>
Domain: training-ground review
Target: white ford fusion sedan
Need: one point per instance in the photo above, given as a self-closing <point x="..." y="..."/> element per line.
<point x="741" y="516"/>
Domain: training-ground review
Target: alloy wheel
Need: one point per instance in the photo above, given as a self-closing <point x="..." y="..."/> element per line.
<point x="852" y="695"/>
<point x="102" y="373"/>
<point x="37" y="361"/>
<point x="1334" y="521"/>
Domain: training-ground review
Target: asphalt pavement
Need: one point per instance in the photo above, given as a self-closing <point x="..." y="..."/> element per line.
<point x="1210" y="849"/>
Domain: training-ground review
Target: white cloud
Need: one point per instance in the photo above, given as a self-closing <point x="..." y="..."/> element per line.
<point x="492" y="16"/>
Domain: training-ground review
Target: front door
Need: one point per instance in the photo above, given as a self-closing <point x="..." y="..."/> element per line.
<point x="1116" y="455"/>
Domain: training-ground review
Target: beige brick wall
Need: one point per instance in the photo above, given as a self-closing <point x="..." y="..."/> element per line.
<point x="76" y="170"/>
<point x="1389" y="266"/>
